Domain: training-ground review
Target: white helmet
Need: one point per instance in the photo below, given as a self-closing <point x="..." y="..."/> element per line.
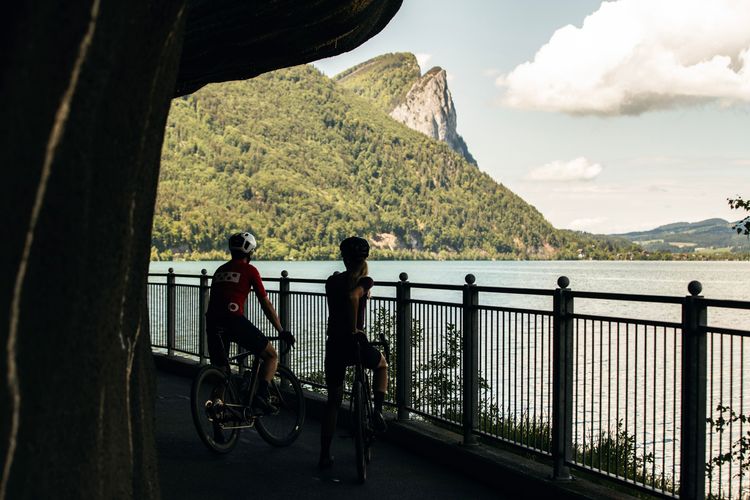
<point x="242" y="242"/>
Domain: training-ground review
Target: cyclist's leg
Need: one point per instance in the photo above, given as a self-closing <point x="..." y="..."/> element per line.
<point x="218" y="345"/>
<point x="248" y="336"/>
<point x="270" y="362"/>
<point x="218" y="349"/>
<point x="335" y="369"/>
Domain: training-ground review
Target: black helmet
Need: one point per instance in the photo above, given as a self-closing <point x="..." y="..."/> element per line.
<point x="354" y="247"/>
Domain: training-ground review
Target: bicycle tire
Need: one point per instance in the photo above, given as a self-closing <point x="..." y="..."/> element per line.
<point x="359" y="431"/>
<point x="284" y="427"/>
<point x="368" y="432"/>
<point x="204" y="383"/>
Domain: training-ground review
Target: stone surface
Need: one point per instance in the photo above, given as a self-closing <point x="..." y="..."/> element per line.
<point x="428" y="108"/>
<point x="86" y="88"/>
<point x="235" y="40"/>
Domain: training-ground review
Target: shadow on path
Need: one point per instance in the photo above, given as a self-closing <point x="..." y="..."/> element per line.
<point x="255" y="469"/>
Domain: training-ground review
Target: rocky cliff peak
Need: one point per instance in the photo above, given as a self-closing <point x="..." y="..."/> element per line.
<point x="428" y="108"/>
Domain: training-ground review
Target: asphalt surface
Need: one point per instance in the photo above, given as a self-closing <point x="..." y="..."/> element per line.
<point x="254" y="469"/>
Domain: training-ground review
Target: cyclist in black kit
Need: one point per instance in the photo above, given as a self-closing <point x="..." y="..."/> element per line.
<point x="347" y="295"/>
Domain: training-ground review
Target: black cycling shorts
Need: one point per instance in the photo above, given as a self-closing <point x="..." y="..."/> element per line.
<point x="340" y="354"/>
<point x="221" y="331"/>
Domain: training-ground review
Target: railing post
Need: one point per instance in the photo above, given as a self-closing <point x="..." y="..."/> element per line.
<point x="470" y="359"/>
<point x="203" y="292"/>
<point x="562" y="380"/>
<point x="284" y="315"/>
<point x="403" y="346"/>
<point x="693" y="412"/>
<point x="171" y="312"/>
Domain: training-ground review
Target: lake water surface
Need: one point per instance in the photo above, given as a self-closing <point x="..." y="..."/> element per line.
<point x="720" y="280"/>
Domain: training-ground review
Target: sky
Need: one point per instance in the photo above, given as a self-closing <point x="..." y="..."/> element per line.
<point x="608" y="117"/>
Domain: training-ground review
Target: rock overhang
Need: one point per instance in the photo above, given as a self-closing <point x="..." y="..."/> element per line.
<point x="230" y="40"/>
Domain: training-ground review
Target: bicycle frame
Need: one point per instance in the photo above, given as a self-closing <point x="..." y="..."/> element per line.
<point x="361" y="375"/>
<point x="242" y="412"/>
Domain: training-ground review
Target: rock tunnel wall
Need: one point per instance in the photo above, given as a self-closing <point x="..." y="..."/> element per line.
<point x="86" y="88"/>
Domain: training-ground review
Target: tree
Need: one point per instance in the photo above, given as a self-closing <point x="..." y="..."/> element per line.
<point x="742" y="226"/>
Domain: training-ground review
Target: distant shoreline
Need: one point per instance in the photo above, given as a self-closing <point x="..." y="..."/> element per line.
<point x="651" y="258"/>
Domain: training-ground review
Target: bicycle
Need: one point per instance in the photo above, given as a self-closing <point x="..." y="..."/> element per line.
<point x="361" y="410"/>
<point x="219" y="425"/>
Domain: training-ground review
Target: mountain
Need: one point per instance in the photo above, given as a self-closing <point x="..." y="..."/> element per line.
<point x="421" y="102"/>
<point x="685" y="237"/>
<point x="384" y="80"/>
<point x="302" y="162"/>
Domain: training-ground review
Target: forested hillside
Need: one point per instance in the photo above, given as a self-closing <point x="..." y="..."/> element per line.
<point x="302" y="162"/>
<point x="685" y="237"/>
<point x="384" y="80"/>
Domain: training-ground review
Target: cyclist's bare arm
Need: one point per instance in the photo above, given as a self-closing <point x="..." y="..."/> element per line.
<point x="270" y="312"/>
<point x="354" y="297"/>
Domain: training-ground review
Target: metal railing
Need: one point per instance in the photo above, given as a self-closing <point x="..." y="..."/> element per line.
<point x="659" y="404"/>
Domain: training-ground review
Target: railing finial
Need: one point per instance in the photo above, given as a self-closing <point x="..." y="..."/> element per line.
<point x="204" y="272"/>
<point x="695" y="288"/>
<point x="403" y="277"/>
<point x="284" y="273"/>
<point x="563" y="282"/>
<point x="470" y="279"/>
<point x="170" y="270"/>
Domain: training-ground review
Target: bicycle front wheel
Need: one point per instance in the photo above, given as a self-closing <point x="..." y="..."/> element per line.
<point x="214" y="425"/>
<point x="284" y="427"/>
<point x="359" y="430"/>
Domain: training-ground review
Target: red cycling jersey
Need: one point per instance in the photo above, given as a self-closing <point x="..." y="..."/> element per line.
<point x="230" y="286"/>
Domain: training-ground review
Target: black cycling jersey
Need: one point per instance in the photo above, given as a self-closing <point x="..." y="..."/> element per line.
<point x="338" y="289"/>
<point x="340" y="351"/>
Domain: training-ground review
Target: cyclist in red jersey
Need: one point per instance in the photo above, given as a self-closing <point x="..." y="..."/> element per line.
<point x="347" y="294"/>
<point x="226" y="321"/>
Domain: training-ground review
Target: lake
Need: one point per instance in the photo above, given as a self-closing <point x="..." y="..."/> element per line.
<point x="726" y="280"/>
<point x="721" y="280"/>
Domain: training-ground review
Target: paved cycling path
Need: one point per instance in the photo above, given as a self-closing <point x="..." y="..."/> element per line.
<point x="256" y="470"/>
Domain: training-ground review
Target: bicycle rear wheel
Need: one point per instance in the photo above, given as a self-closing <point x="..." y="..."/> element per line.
<point x="284" y="427"/>
<point x="209" y="383"/>
<point x="359" y="431"/>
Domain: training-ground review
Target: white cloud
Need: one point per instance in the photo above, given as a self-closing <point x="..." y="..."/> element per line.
<point x="633" y="56"/>
<point x="492" y="72"/>
<point x="449" y="76"/>
<point x="579" y="169"/>
<point x="422" y="60"/>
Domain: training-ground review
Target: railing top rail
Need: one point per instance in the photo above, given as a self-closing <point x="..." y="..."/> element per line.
<point x="306" y="293"/>
<point x="630" y="321"/>
<point x="436" y="303"/>
<point x="728" y="304"/>
<point x="436" y="286"/>
<point x="664" y="299"/>
<point x="386" y="283"/>
<point x="314" y="281"/>
<point x="520" y="310"/>
<point x="515" y="290"/>
<point x="726" y="331"/>
<point x="175" y="275"/>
